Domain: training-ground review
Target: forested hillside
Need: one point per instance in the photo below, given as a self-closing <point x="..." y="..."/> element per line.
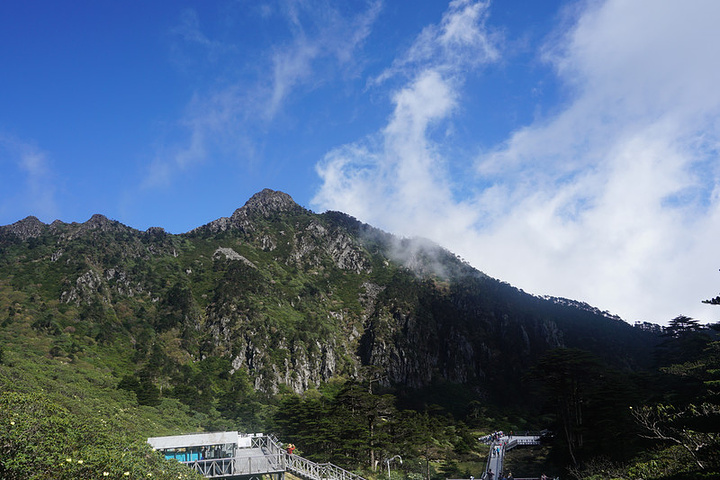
<point x="347" y="340"/>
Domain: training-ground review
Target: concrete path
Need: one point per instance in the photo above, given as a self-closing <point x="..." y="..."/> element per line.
<point x="499" y="445"/>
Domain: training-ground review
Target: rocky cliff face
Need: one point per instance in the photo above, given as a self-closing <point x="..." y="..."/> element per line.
<point x="294" y="299"/>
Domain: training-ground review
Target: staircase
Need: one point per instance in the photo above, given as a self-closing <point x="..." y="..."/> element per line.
<point x="304" y="468"/>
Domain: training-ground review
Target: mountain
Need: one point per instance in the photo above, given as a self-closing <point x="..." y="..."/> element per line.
<point x="287" y="298"/>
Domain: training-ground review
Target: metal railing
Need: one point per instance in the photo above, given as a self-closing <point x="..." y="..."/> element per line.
<point x="218" y="467"/>
<point x="247" y="465"/>
<point x="258" y="464"/>
<point x="302" y="466"/>
<point x="489" y="438"/>
<point x="273" y="459"/>
<point x="514" y="442"/>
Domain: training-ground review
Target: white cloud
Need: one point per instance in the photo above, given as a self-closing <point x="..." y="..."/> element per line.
<point x="613" y="200"/>
<point x="291" y="66"/>
<point x="396" y="179"/>
<point x="397" y="167"/>
<point x="628" y="157"/>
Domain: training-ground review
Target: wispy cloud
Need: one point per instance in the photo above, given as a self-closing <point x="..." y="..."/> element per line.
<point x="190" y="32"/>
<point x="459" y="42"/>
<point x="398" y="179"/>
<point x="613" y="200"/>
<point x="221" y="119"/>
<point x="33" y="185"/>
<point x="319" y="32"/>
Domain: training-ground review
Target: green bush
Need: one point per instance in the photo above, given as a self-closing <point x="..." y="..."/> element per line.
<point x="40" y="439"/>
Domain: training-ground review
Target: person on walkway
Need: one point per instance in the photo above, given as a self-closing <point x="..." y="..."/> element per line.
<point x="491" y="475"/>
<point x="290" y="449"/>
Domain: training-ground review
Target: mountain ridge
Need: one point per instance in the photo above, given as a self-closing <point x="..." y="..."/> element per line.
<point x="294" y="299"/>
<point x="264" y="203"/>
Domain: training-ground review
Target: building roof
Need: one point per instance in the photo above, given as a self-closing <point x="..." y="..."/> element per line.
<point x="194" y="440"/>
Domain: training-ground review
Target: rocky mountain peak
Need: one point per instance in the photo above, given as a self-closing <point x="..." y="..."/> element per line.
<point x="156" y="231"/>
<point x="265" y="204"/>
<point x="28" y="227"/>
<point x="101" y="223"/>
<point x="97" y="224"/>
<point x="98" y="220"/>
<point x="268" y="202"/>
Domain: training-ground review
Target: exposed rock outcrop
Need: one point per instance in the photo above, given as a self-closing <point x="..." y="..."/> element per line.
<point x="28" y="227"/>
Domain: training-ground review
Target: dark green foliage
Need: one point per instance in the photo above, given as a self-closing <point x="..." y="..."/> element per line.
<point x="348" y="425"/>
<point x="46" y="324"/>
<point x="681" y="325"/>
<point x="145" y="391"/>
<point x="591" y="402"/>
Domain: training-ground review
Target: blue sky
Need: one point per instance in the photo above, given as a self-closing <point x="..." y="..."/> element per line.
<point x="569" y="148"/>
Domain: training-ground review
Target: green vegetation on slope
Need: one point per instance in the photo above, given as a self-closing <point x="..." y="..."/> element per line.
<point x="348" y="342"/>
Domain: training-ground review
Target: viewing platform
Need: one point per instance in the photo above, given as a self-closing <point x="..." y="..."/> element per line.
<point x="236" y="456"/>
